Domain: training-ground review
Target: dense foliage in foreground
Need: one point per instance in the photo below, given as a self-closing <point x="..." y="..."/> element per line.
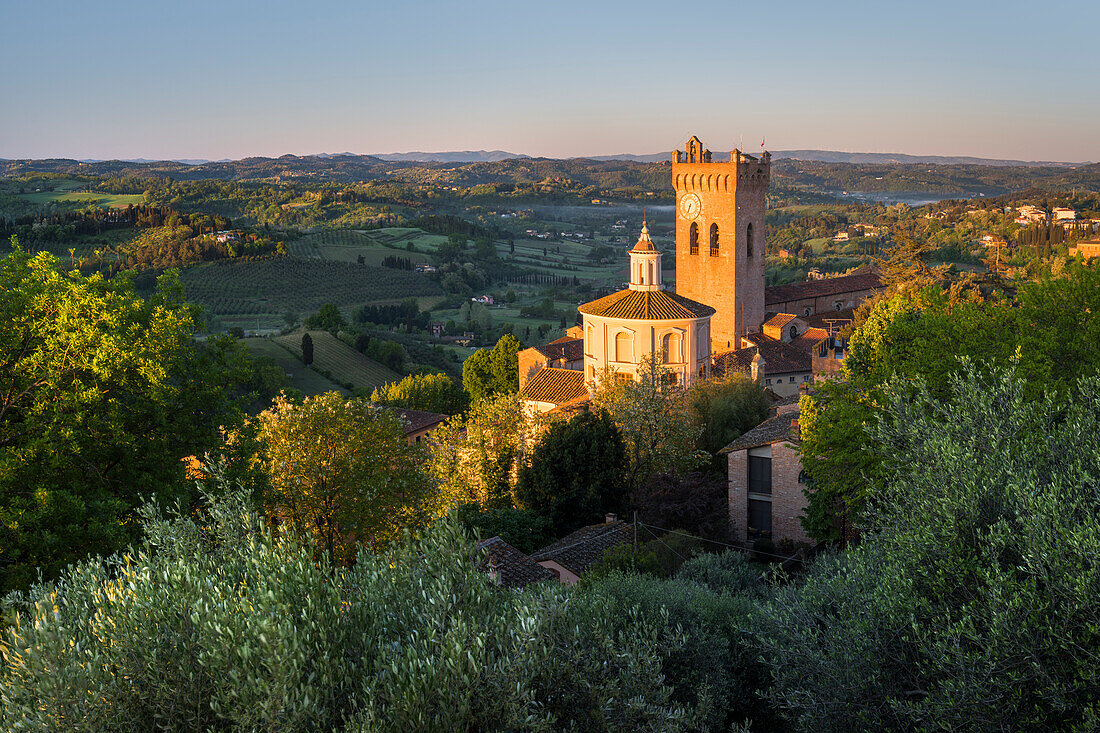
<point x="972" y="604"/>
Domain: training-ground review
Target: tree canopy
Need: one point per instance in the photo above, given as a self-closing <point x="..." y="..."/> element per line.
<point x="102" y="394"/>
<point x="343" y="471"/>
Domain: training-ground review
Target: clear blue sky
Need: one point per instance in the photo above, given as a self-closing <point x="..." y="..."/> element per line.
<point x="229" y="79"/>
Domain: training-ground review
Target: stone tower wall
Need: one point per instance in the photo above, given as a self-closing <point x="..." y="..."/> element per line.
<point x="730" y="195"/>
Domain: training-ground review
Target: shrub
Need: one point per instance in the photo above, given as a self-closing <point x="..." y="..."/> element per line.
<point x="216" y="623"/>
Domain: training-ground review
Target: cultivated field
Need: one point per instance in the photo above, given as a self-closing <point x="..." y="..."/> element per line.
<point x="345" y="364"/>
<point x="297" y="284"/>
<point x="301" y="377"/>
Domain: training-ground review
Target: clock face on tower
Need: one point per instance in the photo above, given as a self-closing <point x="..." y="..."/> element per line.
<point x="690" y="206"/>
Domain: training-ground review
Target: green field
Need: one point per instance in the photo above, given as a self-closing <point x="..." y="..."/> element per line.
<point x="309" y="381"/>
<point x="106" y="200"/>
<point x="274" y="286"/>
<point x="345" y="364"/>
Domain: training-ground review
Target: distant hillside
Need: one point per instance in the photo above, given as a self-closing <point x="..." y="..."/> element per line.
<point x="834" y="156"/>
<point x="455" y="156"/>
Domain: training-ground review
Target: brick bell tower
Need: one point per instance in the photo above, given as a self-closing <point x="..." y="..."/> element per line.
<point x="720" y="237"/>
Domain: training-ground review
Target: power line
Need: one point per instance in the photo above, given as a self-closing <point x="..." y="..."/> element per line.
<point x="651" y="527"/>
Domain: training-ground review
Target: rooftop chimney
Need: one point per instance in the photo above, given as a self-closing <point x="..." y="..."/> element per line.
<point x="610" y="517"/>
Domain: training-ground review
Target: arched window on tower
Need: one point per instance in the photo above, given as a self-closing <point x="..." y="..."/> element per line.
<point x="670" y="348"/>
<point x="624" y="347"/>
<point x="693" y="238"/>
<point x="748" y="240"/>
<point x="713" y="240"/>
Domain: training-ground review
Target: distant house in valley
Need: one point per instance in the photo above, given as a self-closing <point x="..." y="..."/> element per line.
<point x="1063" y="214"/>
<point x="483" y="299"/>
<point x="766" y="481"/>
<point x="1087" y="249"/>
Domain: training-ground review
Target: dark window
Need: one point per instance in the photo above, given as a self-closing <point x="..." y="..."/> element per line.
<point x="792" y="380"/>
<point x="693" y="237"/>
<point x="760" y="475"/>
<point x="794" y="332"/>
<point x="713" y="240"/>
<point x="748" y="240"/>
<point x="760" y="517"/>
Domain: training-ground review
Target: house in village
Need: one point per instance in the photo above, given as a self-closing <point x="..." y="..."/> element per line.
<point x="766" y="480"/>
<point x="564" y="560"/>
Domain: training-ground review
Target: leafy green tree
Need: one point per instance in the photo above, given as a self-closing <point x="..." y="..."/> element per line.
<point x="343" y="471"/>
<point x="475" y="457"/>
<point x="576" y="473"/>
<point x="101" y="396"/>
<point x="327" y="318"/>
<point x="489" y="372"/>
<point x="504" y="363"/>
<point x="726" y="408"/>
<point x="910" y="336"/>
<point x="651" y="415"/>
<point x="477" y="376"/>
<point x="429" y="392"/>
<point x="714" y="671"/>
<point x="307" y="349"/>
<point x="971" y="603"/>
<point x="523" y="529"/>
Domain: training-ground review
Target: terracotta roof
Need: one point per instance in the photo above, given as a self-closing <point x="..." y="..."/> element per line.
<point x="419" y="419"/>
<point x="570" y="349"/>
<point x="773" y="430"/>
<point x="809" y="338"/>
<point x="867" y="280"/>
<point x="582" y="549"/>
<point x="513" y="569"/>
<point x="551" y="384"/>
<point x="645" y="244"/>
<point x="779" y="320"/>
<point x="779" y="358"/>
<point x="646" y="305"/>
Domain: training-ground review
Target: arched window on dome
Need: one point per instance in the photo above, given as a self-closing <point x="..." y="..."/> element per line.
<point x="670" y="348"/>
<point x="693" y="238"/>
<point x="624" y="347"/>
<point x="713" y="240"/>
<point x="748" y="240"/>
<point x="588" y="342"/>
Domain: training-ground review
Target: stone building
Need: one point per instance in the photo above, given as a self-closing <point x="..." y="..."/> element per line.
<point x="766" y="481"/>
<point x="720" y="237"/>
<point x="830" y="294"/>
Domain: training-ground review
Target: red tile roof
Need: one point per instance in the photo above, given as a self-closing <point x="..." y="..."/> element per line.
<point x="646" y="305"/>
<point x="569" y="349"/>
<point x="779" y="357"/>
<point x="777" y="294"/>
<point x="550" y="384"/>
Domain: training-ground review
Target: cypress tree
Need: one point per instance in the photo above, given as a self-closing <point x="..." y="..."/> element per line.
<point x="307" y="349"/>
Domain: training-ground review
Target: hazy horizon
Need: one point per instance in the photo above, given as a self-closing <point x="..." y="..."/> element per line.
<point x="119" y="80"/>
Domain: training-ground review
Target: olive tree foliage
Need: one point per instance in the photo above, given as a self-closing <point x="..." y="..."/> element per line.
<point x="343" y="470"/>
<point x="214" y="622"/>
<point x="974" y="601"/>
<point x="651" y="414"/>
